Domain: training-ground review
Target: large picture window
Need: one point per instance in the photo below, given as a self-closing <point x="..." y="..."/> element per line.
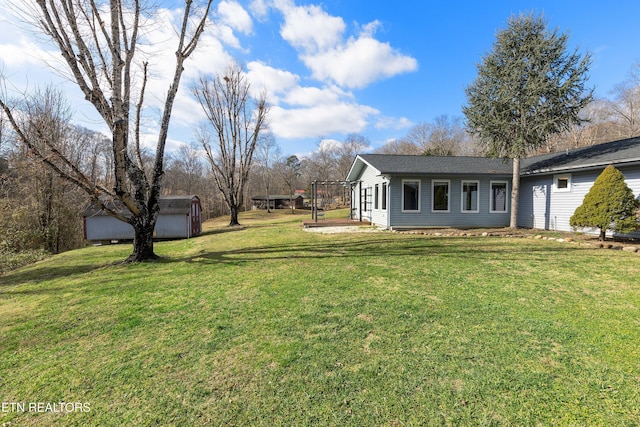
<point x="410" y="196"/>
<point x="440" y="196"/>
<point x="470" y="196"/>
<point x="498" y="196"/>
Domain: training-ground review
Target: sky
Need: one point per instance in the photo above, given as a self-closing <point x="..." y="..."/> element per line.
<point x="334" y="67"/>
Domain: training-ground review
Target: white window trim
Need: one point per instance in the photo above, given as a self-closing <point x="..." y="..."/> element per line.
<point x="419" y="195"/>
<point x="462" y="209"/>
<point x="384" y="196"/>
<point x="556" y="178"/>
<point x="506" y="202"/>
<point x="433" y="184"/>
<point x="376" y="196"/>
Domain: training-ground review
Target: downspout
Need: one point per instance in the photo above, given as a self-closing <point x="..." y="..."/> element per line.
<point x="351" y="200"/>
<point x="360" y="201"/>
<point x="388" y="212"/>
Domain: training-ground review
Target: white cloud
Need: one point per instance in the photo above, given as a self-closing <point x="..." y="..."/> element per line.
<point x="299" y="111"/>
<point x="353" y="63"/>
<point x="315" y="121"/>
<point x="259" y="9"/>
<point x="359" y="62"/>
<point x="328" y="144"/>
<point x="266" y="78"/>
<point x="21" y="53"/>
<point x="235" y="16"/>
<point x="394" y="123"/>
<point x="310" y="28"/>
<point x="309" y="96"/>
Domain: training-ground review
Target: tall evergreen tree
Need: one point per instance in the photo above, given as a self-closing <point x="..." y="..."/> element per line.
<point x="528" y="88"/>
<point x="609" y="205"/>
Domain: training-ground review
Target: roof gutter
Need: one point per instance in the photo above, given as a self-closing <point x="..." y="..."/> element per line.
<point x="631" y="162"/>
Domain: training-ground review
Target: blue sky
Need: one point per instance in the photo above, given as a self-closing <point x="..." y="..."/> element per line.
<point x="349" y="66"/>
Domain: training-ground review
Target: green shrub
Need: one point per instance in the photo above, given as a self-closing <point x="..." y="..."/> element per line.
<point x="609" y="205"/>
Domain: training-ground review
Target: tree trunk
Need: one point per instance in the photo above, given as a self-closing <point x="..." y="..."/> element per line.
<point x="234" y="215"/>
<point x="515" y="193"/>
<point x="142" y="242"/>
<point x="603" y="235"/>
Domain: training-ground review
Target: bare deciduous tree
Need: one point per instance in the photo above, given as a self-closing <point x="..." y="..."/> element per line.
<point x="290" y="172"/>
<point x="267" y="154"/>
<point x="447" y="136"/>
<point x="626" y="108"/>
<point x="45" y="207"/>
<point x="399" y="146"/>
<point x="418" y="136"/>
<point x="234" y="122"/>
<point x="99" y="44"/>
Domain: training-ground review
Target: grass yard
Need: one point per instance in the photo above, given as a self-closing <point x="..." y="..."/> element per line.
<point x="270" y="325"/>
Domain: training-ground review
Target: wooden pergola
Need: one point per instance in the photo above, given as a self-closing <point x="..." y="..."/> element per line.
<point x="314" y="195"/>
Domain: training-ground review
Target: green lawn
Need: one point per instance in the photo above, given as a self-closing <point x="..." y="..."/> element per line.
<point x="270" y="325"/>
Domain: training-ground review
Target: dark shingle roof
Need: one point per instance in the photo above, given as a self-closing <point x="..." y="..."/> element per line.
<point x="273" y="197"/>
<point x="625" y="151"/>
<point x="616" y="152"/>
<point x="437" y="165"/>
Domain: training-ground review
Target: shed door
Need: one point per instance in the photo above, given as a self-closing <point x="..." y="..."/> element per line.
<point x="196" y="220"/>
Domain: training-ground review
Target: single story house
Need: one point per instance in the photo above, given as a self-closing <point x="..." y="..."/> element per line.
<point x="179" y="217"/>
<point x="405" y="191"/>
<point x="401" y="191"/>
<point x="277" y="201"/>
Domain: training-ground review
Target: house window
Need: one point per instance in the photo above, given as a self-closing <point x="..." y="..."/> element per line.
<point x="364" y="200"/>
<point x="410" y="196"/>
<point x="470" y="196"/>
<point x="376" y="196"/>
<point x="498" y="196"/>
<point x="562" y="183"/>
<point x="384" y="196"/>
<point x="440" y="202"/>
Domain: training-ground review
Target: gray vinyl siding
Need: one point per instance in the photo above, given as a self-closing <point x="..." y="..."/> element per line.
<point x="632" y="178"/>
<point x="543" y="206"/>
<point x="562" y="204"/>
<point x="533" y="203"/>
<point x="370" y="177"/>
<point x="454" y="217"/>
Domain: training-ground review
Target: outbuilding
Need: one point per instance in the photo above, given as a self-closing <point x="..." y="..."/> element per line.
<point x="180" y="217"/>
<point x="278" y="201"/>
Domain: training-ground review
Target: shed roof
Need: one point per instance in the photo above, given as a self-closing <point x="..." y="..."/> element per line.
<point x="391" y="164"/>
<point x="625" y="151"/>
<point x="169" y="205"/>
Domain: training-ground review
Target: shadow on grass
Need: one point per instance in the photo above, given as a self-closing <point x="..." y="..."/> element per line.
<point x="382" y="248"/>
<point x="221" y="230"/>
<point x="36" y="274"/>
